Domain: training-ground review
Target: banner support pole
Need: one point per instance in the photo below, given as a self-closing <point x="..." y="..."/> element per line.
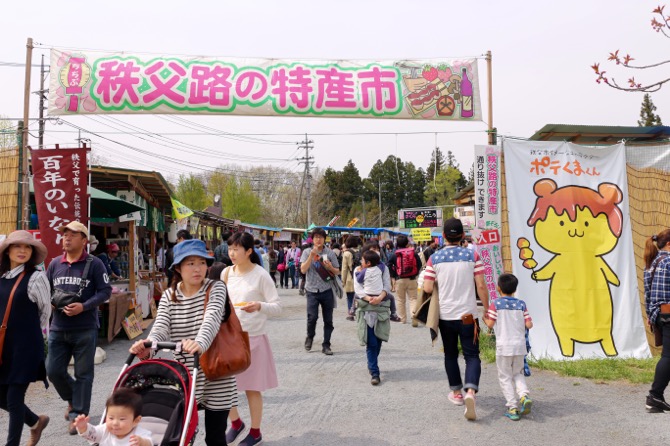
<point x="25" y="174"/>
<point x="491" y="131"/>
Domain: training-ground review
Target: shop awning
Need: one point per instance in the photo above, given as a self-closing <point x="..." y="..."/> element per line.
<point x="106" y="208"/>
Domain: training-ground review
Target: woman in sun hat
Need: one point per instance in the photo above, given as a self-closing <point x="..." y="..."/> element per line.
<point x="182" y="318"/>
<point x="26" y="319"/>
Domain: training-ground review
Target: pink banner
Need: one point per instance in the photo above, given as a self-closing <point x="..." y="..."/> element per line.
<point x="60" y="180"/>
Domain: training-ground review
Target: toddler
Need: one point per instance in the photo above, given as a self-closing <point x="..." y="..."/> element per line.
<point x="123" y="409"/>
<point x="369" y="278"/>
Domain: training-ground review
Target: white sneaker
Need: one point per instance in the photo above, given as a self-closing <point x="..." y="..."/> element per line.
<point x="469" y="401"/>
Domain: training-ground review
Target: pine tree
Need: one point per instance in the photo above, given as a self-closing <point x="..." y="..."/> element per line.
<point x="647" y="116"/>
<point x="436" y="164"/>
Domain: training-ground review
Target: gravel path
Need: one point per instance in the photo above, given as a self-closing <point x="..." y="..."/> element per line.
<point x="329" y="400"/>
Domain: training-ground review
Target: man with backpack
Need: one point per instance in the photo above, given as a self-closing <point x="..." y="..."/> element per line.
<point x="404" y="265"/>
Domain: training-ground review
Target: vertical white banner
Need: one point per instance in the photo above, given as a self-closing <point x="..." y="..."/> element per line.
<point x="572" y="249"/>
<point x="487" y="235"/>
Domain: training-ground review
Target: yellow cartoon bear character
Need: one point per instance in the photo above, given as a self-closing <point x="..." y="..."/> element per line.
<point x="579" y="226"/>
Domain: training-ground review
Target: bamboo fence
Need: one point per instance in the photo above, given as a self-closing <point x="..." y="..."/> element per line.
<point x="9" y="189"/>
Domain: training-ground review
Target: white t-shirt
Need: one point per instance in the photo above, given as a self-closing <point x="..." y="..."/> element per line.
<point x="253" y="286"/>
<point x="454" y="268"/>
<point x="510" y="315"/>
<point x="98" y="434"/>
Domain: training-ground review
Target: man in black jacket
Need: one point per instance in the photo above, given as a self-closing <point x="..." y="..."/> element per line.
<point x="74" y="329"/>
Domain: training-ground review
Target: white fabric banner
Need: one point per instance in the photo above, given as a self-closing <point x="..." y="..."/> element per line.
<point x="572" y="249"/>
<point x="94" y="82"/>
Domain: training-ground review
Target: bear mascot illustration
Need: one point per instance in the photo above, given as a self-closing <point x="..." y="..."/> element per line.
<point x="579" y="226"/>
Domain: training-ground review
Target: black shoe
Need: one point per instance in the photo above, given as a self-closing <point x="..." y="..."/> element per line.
<point x="308" y="343"/>
<point x="301" y="292"/>
<point x="350" y="318"/>
<point x="375" y="380"/>
<point x="656" y="405"/>
<point x="327" y="351"/>
<point x="395" y="318"/>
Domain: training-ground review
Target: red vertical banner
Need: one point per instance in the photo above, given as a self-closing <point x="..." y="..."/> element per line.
<point x="60" y="181"/>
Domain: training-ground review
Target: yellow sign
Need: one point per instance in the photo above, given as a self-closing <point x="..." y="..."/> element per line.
<point x="352" y="222"/>
<point x="421" y="234"/>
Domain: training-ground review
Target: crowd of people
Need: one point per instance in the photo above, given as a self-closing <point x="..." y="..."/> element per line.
<point x="380" y="281"/>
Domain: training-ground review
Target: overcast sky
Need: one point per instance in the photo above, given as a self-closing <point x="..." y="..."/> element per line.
<point x="542" y="52"/>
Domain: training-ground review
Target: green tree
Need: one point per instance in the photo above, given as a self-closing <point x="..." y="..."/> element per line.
<point x="400" y="185"/>
<point x="240" y="202"/>
<point x="647" y="116"/>
<point x="345" y="188"/>
<point x="191" y="192"/>
<point x="436" y="164"/>
<point x="448" y="181"/>
<point x="415" y="184"/>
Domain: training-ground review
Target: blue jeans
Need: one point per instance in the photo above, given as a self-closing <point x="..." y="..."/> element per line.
<point x="325" y="299"/>
<point x="372" y="349"/>
<point x="12" y="399"/>
<point x="62" y="346"/>
<point x="291" y="274"/>
<point x="451" y="332"/>
<point x="350" y="302"/>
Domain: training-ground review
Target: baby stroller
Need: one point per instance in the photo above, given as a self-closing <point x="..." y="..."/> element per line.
<point x="168" y="396"/>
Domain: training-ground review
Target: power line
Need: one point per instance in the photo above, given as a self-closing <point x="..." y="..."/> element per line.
<point x="153" y="154"/>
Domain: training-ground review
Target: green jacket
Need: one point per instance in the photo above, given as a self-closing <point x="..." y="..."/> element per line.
<point x="383" y="325"/>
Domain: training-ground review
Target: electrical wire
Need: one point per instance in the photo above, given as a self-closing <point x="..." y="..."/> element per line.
<point x="191" y="148"/>
<point x="153" y="155"/>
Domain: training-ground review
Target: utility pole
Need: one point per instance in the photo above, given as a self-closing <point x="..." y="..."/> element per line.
<point x="43" y="98"/>
<point x="380" y="202"/>
<point x="363" y="200"/>
<point x="307" y="160"/>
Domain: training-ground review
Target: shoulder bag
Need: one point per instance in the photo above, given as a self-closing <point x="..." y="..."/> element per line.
<point x="3" y="327"/>
<point x="229" y="354"/>
<point x="62" y="298"/>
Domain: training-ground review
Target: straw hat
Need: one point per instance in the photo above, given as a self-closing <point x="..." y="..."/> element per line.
<point x="25" y="238"/>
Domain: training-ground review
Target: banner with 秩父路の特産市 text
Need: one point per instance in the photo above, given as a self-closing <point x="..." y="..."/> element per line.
<point x="487" y="234"/>
<point x="91" y="82"/>
<point x="572" y="249"/>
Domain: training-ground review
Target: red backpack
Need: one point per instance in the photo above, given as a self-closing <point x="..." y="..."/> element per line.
<point x="405" y="263"/>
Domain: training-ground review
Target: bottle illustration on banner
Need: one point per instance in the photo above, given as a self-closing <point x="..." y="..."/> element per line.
<point x="467" y="110"/>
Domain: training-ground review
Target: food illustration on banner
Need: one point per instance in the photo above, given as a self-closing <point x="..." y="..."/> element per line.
<point x="437" y="89"/>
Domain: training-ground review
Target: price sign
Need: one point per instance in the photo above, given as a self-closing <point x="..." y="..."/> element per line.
<point x="421" y="234"/>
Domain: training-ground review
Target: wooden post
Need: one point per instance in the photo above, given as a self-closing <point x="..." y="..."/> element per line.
<point x="132" y="285"/>
<point x="152" y="254"/>
<point x="490" y="93"/>
<point x="25" y="175"/>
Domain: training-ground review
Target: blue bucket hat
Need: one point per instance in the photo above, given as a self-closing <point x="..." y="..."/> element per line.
<point x="189" y="248"/>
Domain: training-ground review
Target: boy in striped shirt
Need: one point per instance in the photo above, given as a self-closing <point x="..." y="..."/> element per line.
<point x="510" y="317"/>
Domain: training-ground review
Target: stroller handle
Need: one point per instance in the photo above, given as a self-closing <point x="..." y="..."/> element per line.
<point x="165" y="346"/>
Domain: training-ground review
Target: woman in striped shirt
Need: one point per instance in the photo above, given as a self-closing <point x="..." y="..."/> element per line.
<point x="181" y="318"/>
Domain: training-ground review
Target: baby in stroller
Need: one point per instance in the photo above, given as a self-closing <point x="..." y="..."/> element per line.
<point x="123" y="414"/>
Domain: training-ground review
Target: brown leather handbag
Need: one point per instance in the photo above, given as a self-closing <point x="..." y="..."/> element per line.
<point x="229" y="354"/>
<point x="3" y="327"/>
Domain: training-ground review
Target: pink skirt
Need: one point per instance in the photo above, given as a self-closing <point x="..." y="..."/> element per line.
<point x="262" y="373"/>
